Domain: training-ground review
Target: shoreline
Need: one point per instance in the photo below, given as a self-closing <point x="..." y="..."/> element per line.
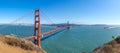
<point x="112" y="46"/>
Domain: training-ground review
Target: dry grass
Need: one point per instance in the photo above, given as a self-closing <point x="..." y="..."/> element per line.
<point x="107" y="49"/>
<point x="21" y="43"/>
<point x="110" y="47"/>
<point x="27" y="45"/>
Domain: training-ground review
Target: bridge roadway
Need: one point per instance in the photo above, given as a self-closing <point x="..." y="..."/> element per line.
<point x="46" y="33"/>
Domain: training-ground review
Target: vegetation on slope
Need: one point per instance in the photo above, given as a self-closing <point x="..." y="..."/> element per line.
<point x="110" y="47"/>
<point x="21" y="43"/>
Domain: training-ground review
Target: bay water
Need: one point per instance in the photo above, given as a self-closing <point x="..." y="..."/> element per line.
<point x="77" y="39"/>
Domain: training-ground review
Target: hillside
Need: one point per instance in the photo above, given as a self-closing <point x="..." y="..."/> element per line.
<point x="12" y="44"/>
<point x="110" y="47"/>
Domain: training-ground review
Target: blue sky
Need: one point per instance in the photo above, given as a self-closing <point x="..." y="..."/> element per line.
<point x="61" y="11"/>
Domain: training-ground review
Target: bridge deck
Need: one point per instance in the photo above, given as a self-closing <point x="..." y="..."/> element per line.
<point x="45" y="34"/>
<point x="52" y="31"/>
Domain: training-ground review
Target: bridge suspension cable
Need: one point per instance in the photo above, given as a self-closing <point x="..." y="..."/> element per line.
<point x="47" y="18"/>
<point x="16" y="20"/>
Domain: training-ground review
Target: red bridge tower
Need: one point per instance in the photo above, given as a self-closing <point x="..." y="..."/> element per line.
<point x="37" y="28"/>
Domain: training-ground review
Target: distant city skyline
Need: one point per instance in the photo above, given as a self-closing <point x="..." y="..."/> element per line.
<point x="61" y="11"/>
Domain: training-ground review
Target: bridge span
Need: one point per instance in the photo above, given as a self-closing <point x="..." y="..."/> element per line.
<point x="37" y="35"/>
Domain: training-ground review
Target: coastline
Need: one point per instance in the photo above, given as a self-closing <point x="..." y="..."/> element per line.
<point x="112" y="46"/>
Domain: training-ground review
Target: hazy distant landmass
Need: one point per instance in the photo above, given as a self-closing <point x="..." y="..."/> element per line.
<point x="58" y="24"/>
<point x="23" y="24"/>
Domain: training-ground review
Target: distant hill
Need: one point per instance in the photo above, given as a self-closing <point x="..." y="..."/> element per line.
<point x="61" y="24"/>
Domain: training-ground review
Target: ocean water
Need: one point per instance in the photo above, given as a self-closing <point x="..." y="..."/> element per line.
<point x="77" y="39"/>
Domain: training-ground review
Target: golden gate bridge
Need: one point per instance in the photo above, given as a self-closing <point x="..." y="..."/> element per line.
<point x="37" y="26"/>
